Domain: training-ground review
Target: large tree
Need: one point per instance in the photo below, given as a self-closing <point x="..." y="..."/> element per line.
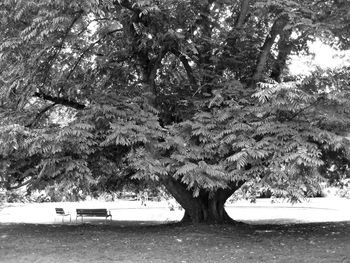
<point x="193" y="95"/>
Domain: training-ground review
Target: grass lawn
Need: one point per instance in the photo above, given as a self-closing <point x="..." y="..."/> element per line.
<point x="28" y="234"/>
<point x="321" y="242"/>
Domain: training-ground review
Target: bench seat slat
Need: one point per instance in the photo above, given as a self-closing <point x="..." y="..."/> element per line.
<point x="93" y="213"/>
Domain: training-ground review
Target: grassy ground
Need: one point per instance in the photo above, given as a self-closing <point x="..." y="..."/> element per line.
<point x="321" y="242"/>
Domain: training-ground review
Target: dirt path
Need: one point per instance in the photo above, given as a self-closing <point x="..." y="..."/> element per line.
<point x="312" y="211"/>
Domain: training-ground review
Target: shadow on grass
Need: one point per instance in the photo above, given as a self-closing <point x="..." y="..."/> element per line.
<point x="127" y="241"/>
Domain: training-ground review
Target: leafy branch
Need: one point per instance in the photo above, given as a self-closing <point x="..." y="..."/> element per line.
<point x="87" y="50"/>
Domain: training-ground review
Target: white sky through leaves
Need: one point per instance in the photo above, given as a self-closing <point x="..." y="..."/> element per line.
<point x="324" y="56"/>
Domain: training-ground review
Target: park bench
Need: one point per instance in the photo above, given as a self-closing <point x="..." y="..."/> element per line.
<point x="60" y="212"/>
<point x="93" y="213"/>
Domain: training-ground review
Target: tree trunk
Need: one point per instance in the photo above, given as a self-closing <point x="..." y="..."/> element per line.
<point x="207" y="207"/>
<point x="207" y="210"/>
<point x="284" y="49"/>
<point x="276" y="29"/>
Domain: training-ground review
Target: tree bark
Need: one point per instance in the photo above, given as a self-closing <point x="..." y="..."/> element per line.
<point x="231" y="50"/>
<point x="190" y="74"/>
<point x="60" y="100"/>
<point x="207" y="207"/>
<point x="284" y="49"/>
<point x="205" y="50"/>
<point x="243" y="14"/>
<point x="276" y="29"/>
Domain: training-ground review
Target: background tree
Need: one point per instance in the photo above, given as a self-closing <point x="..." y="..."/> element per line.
<point x="193" y="95"/>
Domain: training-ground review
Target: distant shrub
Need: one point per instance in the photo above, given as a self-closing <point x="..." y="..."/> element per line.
<point x="2" y="197"/>
<point x="344" y="192"/>
<point x="15" y="197"/>
<point x="344" y="189"/>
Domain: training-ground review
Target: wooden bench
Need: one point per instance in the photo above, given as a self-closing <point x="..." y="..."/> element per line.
<point x="60" y="212"/>
<point x="92" y="213"/>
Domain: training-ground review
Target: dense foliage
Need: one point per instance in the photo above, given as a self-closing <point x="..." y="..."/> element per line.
<point x="193" y="95"/>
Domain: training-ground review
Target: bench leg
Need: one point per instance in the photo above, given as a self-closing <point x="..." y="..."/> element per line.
<point x="76" y="219"/>
<point x="110" y="216"/>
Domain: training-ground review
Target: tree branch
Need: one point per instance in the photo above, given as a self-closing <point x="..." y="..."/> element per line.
<point x="187" y="67"/>
<point x="20" y="185"/>
<point x="155" y="65"/>
<point x="39" y="115"/>
<point x="87" y="49"/>
<point x="321" y="98"/>
<point x="60" y="46"/>
<point x="284" y="49"/>
<point x="242" y="14"/>
<point x="126" y="4"/>
<point x="61" y="101"/>
<point x="23" y="176"/>
<point x="178" y="190"/>
<point x="276" y="29"/>
<point x="232" y="187"/>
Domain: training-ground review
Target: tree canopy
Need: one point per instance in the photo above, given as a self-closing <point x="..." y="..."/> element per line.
<point x="192" y="95"/>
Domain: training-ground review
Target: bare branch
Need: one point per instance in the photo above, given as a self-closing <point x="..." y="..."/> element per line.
<point x="39" y="115"/>
<point x="284" y="49"/>
<point x="243" y="13"/>
<point x="187" y="67"/>
<point x="276" y="29"/>
<point x="61" y="101"/>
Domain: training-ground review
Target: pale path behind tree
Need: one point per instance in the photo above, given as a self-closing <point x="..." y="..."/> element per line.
<point x="261" y="212"/>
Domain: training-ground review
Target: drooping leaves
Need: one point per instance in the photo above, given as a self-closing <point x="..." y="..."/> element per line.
<point x="101" y="92"/>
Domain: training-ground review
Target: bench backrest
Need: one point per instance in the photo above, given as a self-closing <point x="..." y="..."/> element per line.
<point x="59" y="211"/>
<point x="102" y="212"/>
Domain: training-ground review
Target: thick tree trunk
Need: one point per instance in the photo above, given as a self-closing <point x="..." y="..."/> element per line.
<point x="208" y="207"/>
<point x="207" y="210"/>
